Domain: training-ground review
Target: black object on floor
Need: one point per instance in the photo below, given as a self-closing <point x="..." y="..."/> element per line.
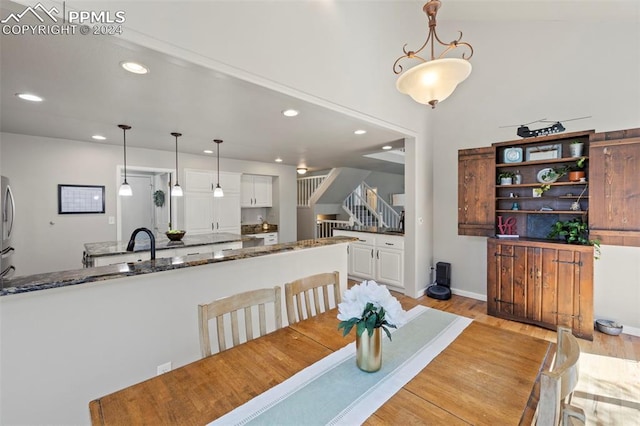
<point x="441" y="289"/>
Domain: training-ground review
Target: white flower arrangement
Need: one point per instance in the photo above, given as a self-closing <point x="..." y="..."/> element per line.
<point x="368" y="306"/>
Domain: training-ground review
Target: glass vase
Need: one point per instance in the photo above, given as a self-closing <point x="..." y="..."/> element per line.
<point x="369" y="351"/>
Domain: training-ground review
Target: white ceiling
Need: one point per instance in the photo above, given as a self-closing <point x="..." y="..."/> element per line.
<point x="86" y="92"/>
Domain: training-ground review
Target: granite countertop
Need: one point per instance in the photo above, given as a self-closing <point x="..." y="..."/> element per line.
<point x="111" y="248"/>
<point x="46" y="281"/>
<point x="258" y="229"/>
<point x="374" y="230"/>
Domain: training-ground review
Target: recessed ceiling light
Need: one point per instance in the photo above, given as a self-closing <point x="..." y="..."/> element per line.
<point x="98" y="137"/>
<point x="278" y="160"/>
<point x="29" y="97"/>
<point x="360" y="132"/>
<point x="134" y="67"/>
<point x="208" y="151"/>
<point x="387" y="147"/>
<point x="290" y="113"/>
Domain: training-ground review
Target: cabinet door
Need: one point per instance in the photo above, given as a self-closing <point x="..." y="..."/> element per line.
<point x="198" y="180"/>
<point x="506" y="280"/>
<point x="227" y="213"/>
<point x="476" y="191"/>
<point x="567" y="295"/>
<point x="229" y="182"/>
<point x="262" y="191"/>
<point x="246" y="191"/>
<point x="198" y="209"/>
<point x="614" y="170"/>
<point x="361" y="261"/>
<point x="389" y="266"/>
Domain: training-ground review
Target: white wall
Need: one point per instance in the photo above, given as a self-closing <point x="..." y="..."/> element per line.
<point x="62" y="348"/>
<point x="522" y="72"/>
<point x="46" y="241"/>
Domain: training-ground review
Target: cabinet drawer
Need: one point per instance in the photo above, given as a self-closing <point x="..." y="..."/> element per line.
<point x="387" y="241"/>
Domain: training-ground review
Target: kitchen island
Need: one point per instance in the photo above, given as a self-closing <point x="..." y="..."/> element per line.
<point x="93" y="331"/>
<point x="112" y="252"/>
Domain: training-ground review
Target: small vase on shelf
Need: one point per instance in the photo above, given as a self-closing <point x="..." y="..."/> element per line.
<point x="369" y="351"/>
<point x="575" y="149"/>
<point x="517" y="178"/>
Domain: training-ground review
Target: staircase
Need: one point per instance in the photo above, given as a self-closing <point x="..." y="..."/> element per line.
<point x="366" y="208"/>
<point x="363" y="205"/>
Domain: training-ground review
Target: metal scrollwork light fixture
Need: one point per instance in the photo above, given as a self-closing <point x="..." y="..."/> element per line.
<point x="435" y="79"/>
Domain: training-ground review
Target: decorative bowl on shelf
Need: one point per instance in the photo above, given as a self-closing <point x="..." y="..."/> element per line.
<point x="175" y="235"/>
<point x="547" y="175"/>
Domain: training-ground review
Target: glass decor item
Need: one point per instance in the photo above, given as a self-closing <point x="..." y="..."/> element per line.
<point x="369" y="351"/>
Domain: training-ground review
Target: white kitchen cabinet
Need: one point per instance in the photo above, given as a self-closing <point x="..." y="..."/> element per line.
<point x="390" y="260"/>
<point x="205" y="213"/>
<point x="206" y="181"/>
<point x="376" y="257"/>
<point x="198" y="209"/>
<point x="226" y="213"/>
<point x="256" y="191"/>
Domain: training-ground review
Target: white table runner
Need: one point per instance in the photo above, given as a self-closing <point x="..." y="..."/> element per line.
<point x="333" y="391"/>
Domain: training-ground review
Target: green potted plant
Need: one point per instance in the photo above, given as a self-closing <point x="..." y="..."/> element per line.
<point x="574" y="231"/>
<point x="506" y="178"/>
<point x="576" y="171"/>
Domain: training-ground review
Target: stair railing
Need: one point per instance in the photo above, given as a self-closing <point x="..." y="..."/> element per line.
<point x="324" y="228"/>
<point x="384" y="215"/>
<point x="388" y="216"/>
<point x="306" y="188"/>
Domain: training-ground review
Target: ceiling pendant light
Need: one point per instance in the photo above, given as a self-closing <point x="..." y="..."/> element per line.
<point x="176" y="191"/>
<point x="434" y="80"/>
<point x="218" y="191"/>
<point x="125" y="189"/>
<point x="301" y="170"/>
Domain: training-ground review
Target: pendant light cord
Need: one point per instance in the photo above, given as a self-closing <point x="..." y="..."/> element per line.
<point x="124" y="128"/>
<point x="124" y="137"/>
<point x="218" y="162"/>
<point x="176" y="158"/>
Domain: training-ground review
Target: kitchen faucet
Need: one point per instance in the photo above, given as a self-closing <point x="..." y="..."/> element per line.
<point x="152" y="239"/>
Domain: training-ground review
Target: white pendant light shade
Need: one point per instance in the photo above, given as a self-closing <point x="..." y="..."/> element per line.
<point x="433" y="81"/>
<point x="176" y="191"/>
<point x="125" y="190"/>
<point x="218" y="192"/>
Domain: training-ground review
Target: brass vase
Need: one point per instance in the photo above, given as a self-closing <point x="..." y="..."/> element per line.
<point x="369" y="351"/>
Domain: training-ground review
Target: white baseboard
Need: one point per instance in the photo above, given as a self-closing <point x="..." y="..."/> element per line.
<point x="469" y="294"/>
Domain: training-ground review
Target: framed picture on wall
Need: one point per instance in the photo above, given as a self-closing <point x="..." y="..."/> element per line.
<point x="80" y="199"/>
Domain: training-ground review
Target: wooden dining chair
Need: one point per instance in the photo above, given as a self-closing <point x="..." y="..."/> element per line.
<point x="557" y="385"/>
<point x="229" y="307"/>
<point x="306" y="293"/>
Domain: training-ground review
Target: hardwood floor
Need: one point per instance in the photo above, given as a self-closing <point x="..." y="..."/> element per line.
<point x="609" y="385"/>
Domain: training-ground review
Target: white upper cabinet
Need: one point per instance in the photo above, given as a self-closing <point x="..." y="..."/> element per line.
<point x="198" y="180"/>
<point x="203" y="212"/>
<point x="256" y="191"/>
<point x="206" y="181"/>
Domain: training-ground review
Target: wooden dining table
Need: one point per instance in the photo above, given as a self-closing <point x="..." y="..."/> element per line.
<point x="487" y="375"/>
